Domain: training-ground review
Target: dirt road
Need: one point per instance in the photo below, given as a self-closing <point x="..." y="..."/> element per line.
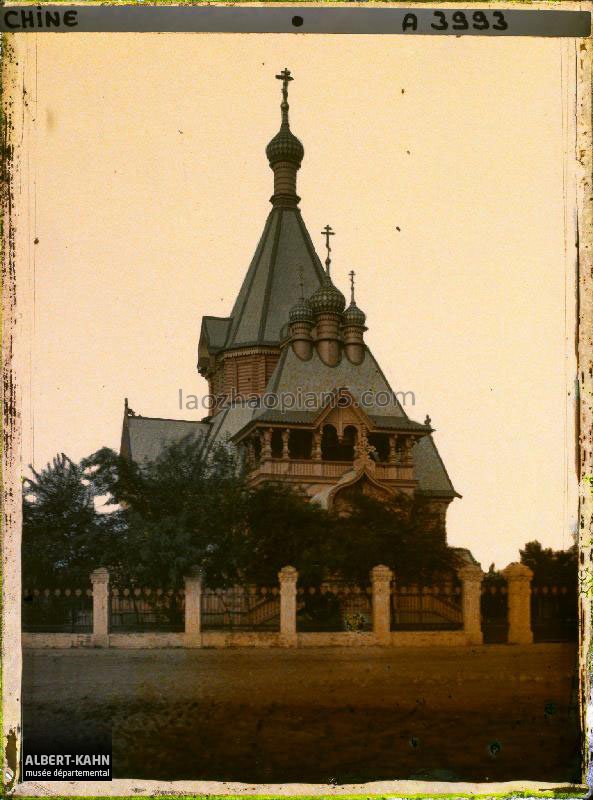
<point x="346" y="715"/>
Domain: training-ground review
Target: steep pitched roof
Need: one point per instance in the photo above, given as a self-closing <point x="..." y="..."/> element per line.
<point x="144" y="438"/>
<point x="271" y="285"/>
<point x="304" y="379"/>
<point x="215" y="331"/>
<point x="366" y="382"/>
<point x="433" y="479"/>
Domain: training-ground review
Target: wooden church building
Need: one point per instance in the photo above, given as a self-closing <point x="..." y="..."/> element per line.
<point x="297" y="388"/>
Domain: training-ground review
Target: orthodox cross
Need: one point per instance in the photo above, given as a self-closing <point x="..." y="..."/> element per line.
<point x="352" y="274"/>
<point x="285" y="77"/>
<point x="327" y="232"/>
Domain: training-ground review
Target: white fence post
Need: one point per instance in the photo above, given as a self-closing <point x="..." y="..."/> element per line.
<point x="381" y="579"/>
<point x="471" y="577"/>
<point x="193" y="607"/>
<point x="518" y="578"/>
<point x="288" y="590"/>
<point x="100" y="581"/>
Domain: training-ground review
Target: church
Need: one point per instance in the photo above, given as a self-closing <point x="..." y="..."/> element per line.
<point x="295" y="386"/>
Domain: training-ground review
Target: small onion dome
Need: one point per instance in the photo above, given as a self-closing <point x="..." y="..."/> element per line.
<point x="285" y="147"/>
<point x="354" y="316"/>
<point x="327" y="298"/>
<point x="301" y="311"/>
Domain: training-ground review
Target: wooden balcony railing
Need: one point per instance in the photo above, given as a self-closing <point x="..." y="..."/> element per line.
<point x="309" y="468"/>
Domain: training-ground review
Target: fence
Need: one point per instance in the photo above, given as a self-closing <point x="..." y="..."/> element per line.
<point x="248" y="608"/>
<point x="426" y="608"/>
<point x="53" y="610"/>
<point x="334" y="606"/>
<point x="554" y="613"/>
<point x="494" y="611"/>
<point x="466" y="611"/>
<point x="135" y="609"/>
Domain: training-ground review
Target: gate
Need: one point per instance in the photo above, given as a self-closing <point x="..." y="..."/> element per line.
<point x="247" y="608"/>
<point x="426" y="608"/>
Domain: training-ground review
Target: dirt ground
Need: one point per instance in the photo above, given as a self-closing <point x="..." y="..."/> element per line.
<point x="341" y="715"/>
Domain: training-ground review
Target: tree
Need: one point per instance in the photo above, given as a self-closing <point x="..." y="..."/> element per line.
<point x="284" y="528"/>
<point x="184" y="509"/>
<point x="551" y="567"/>
<point x="191" y="507"/>
<point x="402" y="534"/>
<point x="64" y="538"/>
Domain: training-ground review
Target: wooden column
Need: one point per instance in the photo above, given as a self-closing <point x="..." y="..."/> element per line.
<point x="266" y="450"/>
<point x="285" y="436"/>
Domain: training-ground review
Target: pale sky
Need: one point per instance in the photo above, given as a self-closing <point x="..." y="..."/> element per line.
<point x="147" y="186"/>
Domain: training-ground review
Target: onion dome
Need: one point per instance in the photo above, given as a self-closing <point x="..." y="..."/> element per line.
<point x="327" y="299"/>
<point x="354" y="316"/>
<point x="285" y="146"/>
<point x="301" y="311"/>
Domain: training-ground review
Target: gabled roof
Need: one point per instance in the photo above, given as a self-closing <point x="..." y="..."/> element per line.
<point x="271" y="286"/>
<point x="144" y="438"/>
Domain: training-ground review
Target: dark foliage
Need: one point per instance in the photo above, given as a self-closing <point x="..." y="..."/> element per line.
<point x="64" y="539"/>
<point x="180" y="511"/>
<point x="187" y="509"/>
<point x="404" y="535"/>
<point x="551" y="567"/>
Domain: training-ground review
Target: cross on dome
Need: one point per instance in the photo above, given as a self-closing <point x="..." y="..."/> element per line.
<point x="327" y="232"/>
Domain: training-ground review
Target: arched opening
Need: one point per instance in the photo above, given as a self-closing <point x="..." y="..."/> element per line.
<point x="348" y="443"/>
<point x="300" y="444"/>
<point x="330" y="444"/>
<point x="276" y="443"/>
<point x="332" y="449"/>
<point x="380" y="441"/>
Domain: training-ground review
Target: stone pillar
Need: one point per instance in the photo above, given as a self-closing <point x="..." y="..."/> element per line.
<point x="471" y="577"/>
<point x="518" y="578"/>
<point x="100" y="581"/>
<point x="193" y="607"/>
<point x="288" y="590"/>
<point x="381" y="579"/>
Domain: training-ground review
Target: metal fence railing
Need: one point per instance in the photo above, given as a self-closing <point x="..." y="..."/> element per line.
<point x="554" y="613"/>
<point x="428" y="608"/>
<point x="248" y="608"/>
<point x="57" y="610"/>
<point x="334" y="606"/>
<point x="136" y="609"/>
<point x="494" y="612"/>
